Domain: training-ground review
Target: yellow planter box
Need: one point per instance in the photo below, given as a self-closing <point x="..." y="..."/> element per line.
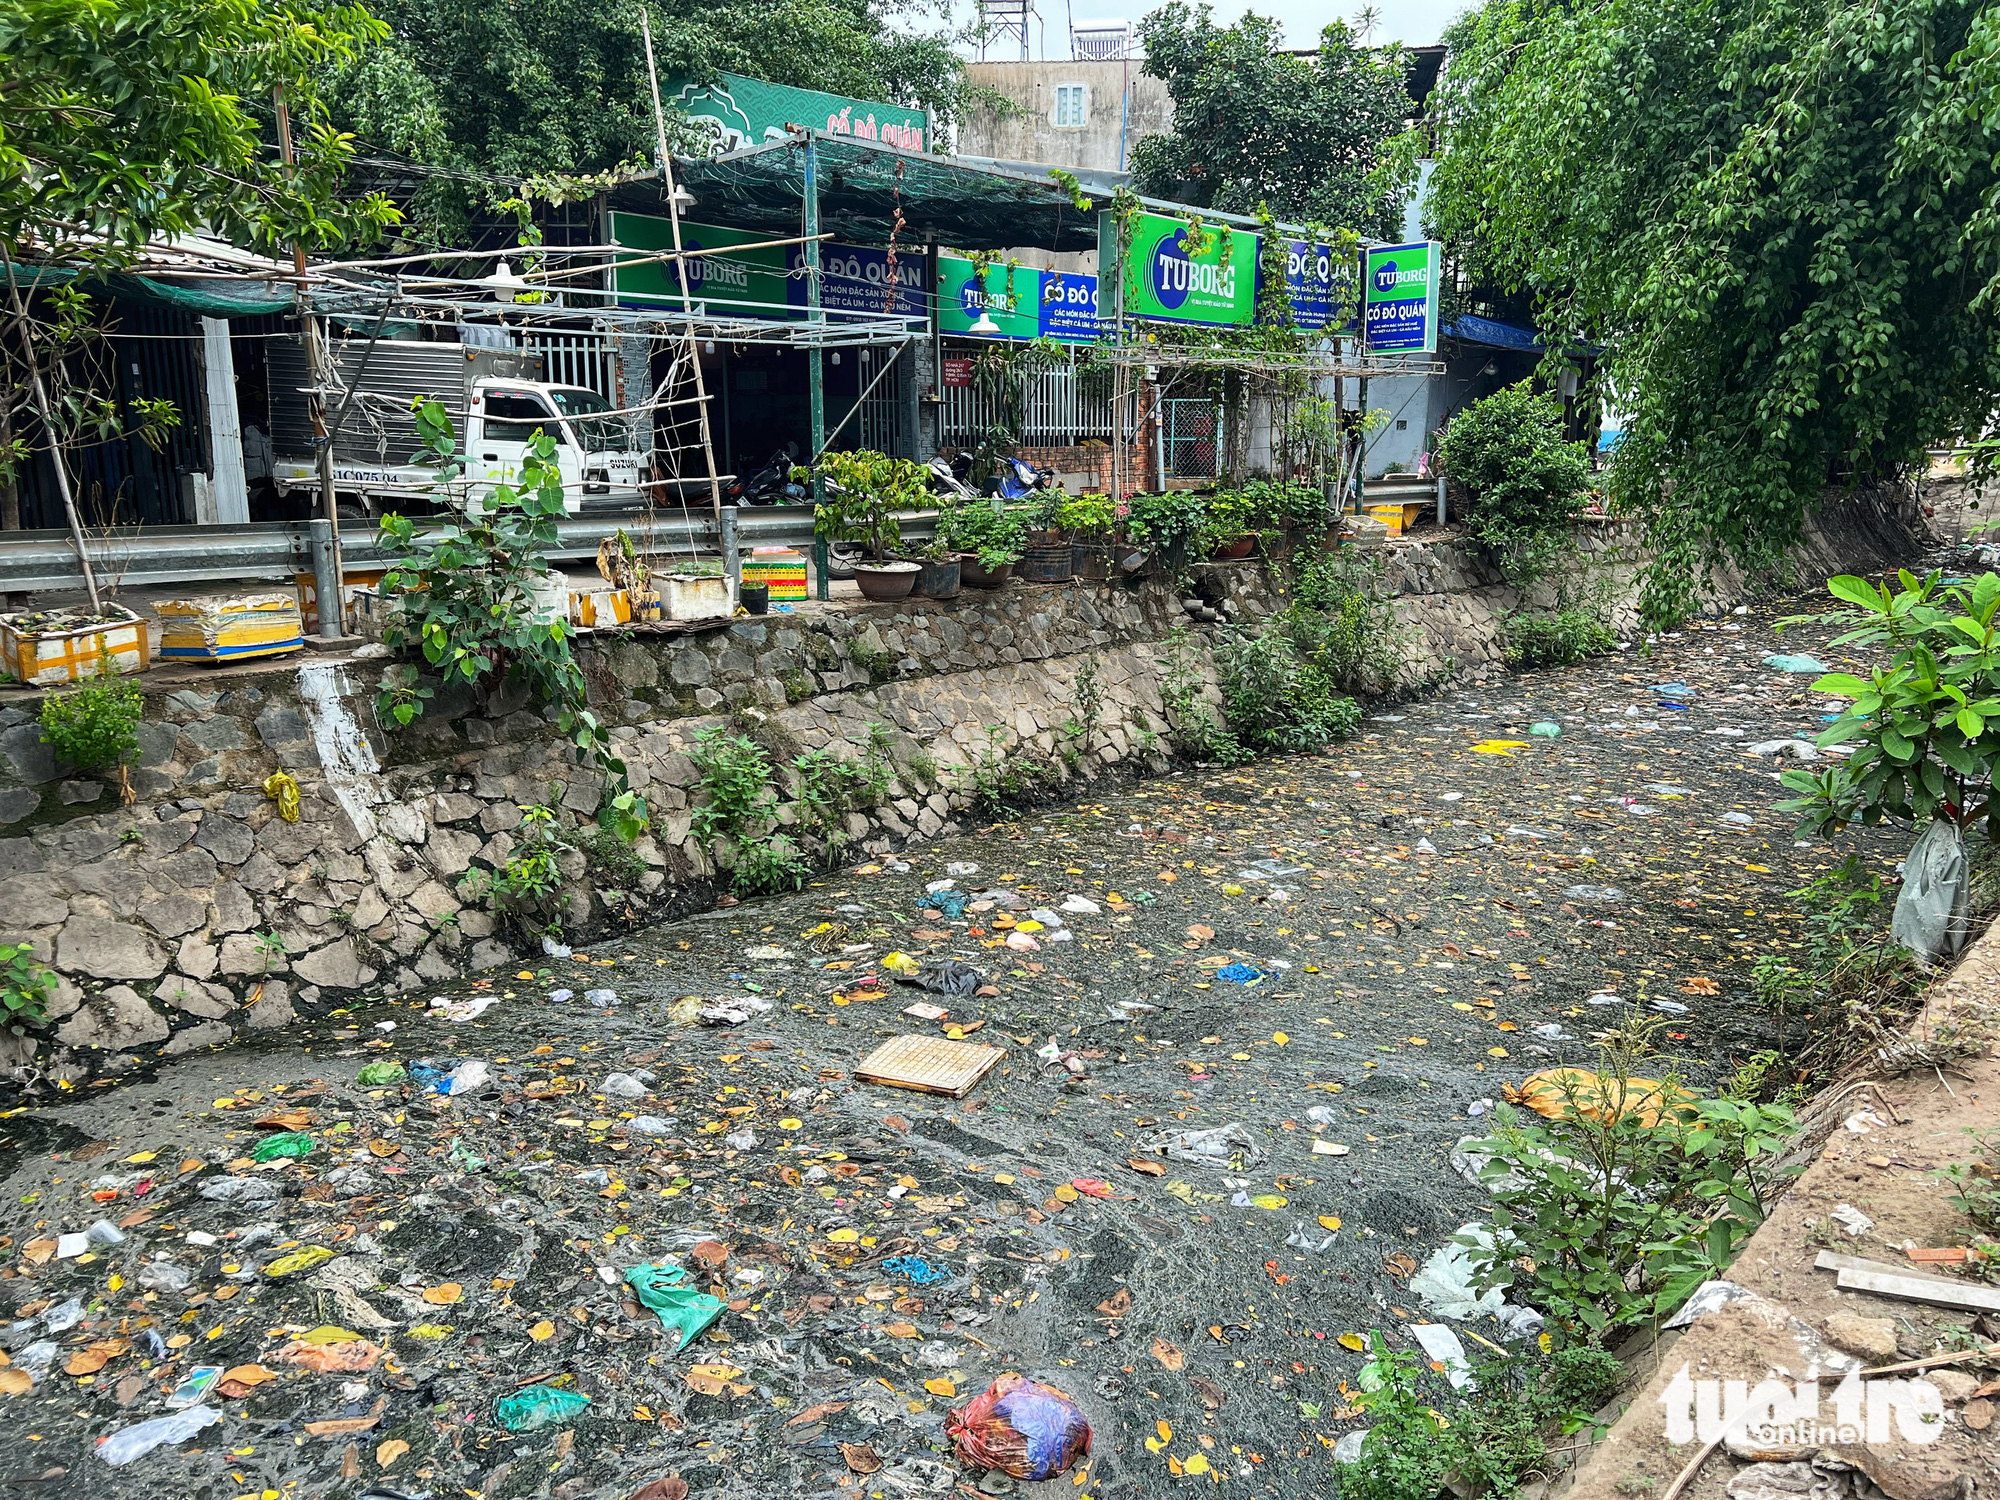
<point x="41" y="657"/>
<point x="217" y="630"/>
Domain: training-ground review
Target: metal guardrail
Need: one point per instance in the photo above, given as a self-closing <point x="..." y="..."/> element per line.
<point x="153" y="556"/>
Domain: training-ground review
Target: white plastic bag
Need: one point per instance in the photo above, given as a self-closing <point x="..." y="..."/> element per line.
<point x="1932" y="914"/>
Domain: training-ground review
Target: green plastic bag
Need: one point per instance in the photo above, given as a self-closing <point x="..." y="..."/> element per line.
<point x="537" y="1407"/>
<point x="375" y="1074"/>
<point x="664" y="1289"/>
<point x="291" y="1143"/>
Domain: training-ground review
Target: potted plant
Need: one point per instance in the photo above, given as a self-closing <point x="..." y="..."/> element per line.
<point x="1168" y="524"/>
<point x="1090" y="522"/>
<point x="940" y="576"/>
<point x="986" y="540"/>
<point x="865" y="493"/>
<point x="1046" y="554"/>
<point x="1229" y="525"/>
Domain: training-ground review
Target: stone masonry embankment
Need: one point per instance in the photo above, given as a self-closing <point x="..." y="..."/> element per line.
<point x="198" y="912"/>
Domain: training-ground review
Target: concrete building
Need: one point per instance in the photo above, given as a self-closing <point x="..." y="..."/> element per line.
<point x="1083" y="116"/>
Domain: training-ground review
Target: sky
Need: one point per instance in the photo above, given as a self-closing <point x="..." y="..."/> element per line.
<point x="1414" y="22"/>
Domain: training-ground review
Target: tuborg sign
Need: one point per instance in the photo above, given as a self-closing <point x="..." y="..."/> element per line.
<point x="1400" y="294"/>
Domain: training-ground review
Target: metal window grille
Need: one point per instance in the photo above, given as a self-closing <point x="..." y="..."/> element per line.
<point x="876" y="423"/>
<point x="1189" y="427"/>
<point x="1060" y="412"/>
<point x="583" y="359"/>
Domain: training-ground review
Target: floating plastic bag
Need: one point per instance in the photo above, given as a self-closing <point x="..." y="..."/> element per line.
<point x="377" y="1074"/>
<point x="1932" y="910"/>
<point x="948" y="976"/>
<point x="1020" y="1427"/>
<point x="1220" y="1146"/>
<point x="915" y="1267"/>
<point x="130" y="1443"/>
<point x="293" y="1143"/>
<point x="679" y="1306"/>
<point x="537" y="1407"/>
<point x="1797" y="664"/>
<point x="242" y="1190"/>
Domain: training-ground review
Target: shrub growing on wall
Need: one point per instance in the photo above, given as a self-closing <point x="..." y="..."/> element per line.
<point x="1523" y="481"/>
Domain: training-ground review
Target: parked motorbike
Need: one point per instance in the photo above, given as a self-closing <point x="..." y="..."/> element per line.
<point x="1016" y="479"/>
<point x="771" y="485"/>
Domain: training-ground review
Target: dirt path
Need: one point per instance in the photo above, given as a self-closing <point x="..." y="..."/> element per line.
<point x="1420" y="916"/>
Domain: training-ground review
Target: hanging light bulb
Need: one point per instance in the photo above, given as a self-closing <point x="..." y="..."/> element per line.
<point x="682" y="200"/>
<point x="506" y="281"/>
<point x="985" y="327"/>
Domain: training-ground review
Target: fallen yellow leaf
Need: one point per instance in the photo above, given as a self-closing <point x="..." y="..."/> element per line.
<point x="1195" y="1463"/>
<point x="1330" y="1221"/>
<point x="387" y="1453"/>
<point x="542" y="1330"/>
<point x="1352" y="1341"/>
<point x="443" y="1293"/>
<point x="941" y="1386"/>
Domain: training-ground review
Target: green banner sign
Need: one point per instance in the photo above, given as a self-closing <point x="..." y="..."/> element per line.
<point x="722" y="276"/>
<point x="1401" y="298"/>
<point x="743" y="112"/>
<point x="1175" y="277"/>
<point x="1012" y="299"/>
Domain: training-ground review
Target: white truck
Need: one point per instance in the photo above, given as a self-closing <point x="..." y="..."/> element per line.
<point x="496" y="402"/>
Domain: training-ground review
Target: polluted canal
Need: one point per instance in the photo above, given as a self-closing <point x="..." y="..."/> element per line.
<point x="450" y="1244"/>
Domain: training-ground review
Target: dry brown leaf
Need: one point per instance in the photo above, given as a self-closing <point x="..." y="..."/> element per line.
<point x="443" y="1293"/>
<point x="714" y="1380"/>
<point x="15" y="1382"/>
<point x="1168" y="1355"/>
<point x="96" y="1357"/>
<point x="666" y="1487"/>
<point x="900" y="1330"/>
<point x="384" y="1148"/>
<point x="240" y="1380"/>
<point x="1209" y="1392"/>
<point x="35" y="1252"/>
<point x="814" y="1413"/>
<point x="1402" y="1263"/>
<point x="1147" y="1168"/>
<point x="861" y="1458"/>
<point x="1117" y="1304"/>
<point x="1200" y="932"/>
<point x="286" y="1119"/>
<point x="387" y="1453"/>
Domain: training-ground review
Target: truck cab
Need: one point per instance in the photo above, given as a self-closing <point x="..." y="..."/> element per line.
<point x="594" y="452"/>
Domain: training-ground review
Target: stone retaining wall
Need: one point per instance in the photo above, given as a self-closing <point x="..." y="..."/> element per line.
<point x="198" y="912"/>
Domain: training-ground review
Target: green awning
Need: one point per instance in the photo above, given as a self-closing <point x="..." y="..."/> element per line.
<point x="202" y="298"/>
<point x="862" y="186"/>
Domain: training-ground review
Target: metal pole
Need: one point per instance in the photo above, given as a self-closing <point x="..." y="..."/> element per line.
<point x="680" y="262"/>
<point x="326" y="574"/>
<point x="815" y="358"/>
<point x="732" y="555"/>
<point x="42" y="409"/>
<point x="332" y="607"/>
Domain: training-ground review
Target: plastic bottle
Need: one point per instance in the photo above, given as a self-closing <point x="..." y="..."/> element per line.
<point x="130" y="1443"/>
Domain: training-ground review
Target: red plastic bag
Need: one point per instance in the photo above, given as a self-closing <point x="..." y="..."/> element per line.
<point x="1020" y="1427"/>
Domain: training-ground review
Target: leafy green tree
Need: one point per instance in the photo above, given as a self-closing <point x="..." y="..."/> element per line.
<point x="122" y="120"/>
<point x="1781" y="222"/>
<point x="553" y="88"/>
<point x="1255" y="124"/>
